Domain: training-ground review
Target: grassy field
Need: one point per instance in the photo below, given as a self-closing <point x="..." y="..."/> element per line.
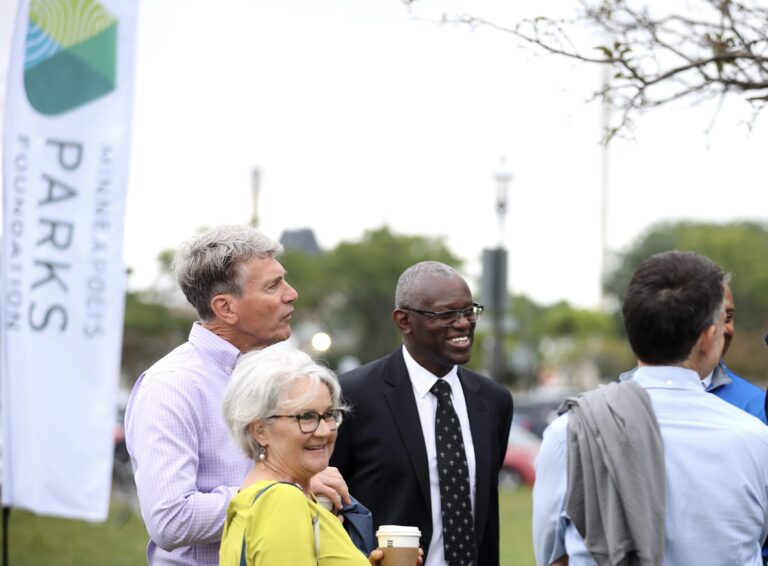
<point x="35" y="540"/>
<point x="121" y="540"/>
<point x="515" y="517"/>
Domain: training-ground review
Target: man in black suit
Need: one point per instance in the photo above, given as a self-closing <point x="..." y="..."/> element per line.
<point x="386" y="449"/>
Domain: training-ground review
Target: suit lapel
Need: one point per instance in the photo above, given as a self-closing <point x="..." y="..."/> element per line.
<point x="405" y="415"/>
<point x="477" y="409"/>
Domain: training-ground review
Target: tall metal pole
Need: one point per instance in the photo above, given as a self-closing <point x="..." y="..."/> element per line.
<point x="255" y="190"/>
<point x="6" y="520"/>
<point x="503" y="178"/>
<point x="604" y="171"/>
<point x="605" y="167"/>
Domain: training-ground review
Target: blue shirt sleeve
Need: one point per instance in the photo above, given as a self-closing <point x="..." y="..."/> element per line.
<point x="549" y="493"/>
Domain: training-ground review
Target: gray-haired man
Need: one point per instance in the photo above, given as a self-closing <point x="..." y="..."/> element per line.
<point x="186" y="465"/>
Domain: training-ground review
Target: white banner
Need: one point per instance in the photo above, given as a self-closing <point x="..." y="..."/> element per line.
<point x="65" y="164"/>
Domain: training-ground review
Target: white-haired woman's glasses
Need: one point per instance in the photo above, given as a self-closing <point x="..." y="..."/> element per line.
<point x="310" y="420"/>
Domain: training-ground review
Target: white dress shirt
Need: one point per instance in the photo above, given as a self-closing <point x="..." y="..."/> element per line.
<point x="422" y="381"/>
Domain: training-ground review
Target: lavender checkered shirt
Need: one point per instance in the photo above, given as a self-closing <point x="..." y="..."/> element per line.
<point x="186" y="465"/>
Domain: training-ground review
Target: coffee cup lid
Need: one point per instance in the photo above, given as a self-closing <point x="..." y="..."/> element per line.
<point x="398" y="530"/>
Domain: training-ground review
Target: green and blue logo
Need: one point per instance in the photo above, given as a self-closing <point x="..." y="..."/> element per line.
<point x="70" y="54"/>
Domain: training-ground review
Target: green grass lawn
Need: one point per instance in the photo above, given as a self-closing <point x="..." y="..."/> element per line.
<point x="34" y="540"/>
<point x="515" y="519"/>
<point x="121" y="540"/>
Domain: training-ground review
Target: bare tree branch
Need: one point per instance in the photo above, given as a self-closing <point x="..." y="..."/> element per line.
<point x="717" y="48"/>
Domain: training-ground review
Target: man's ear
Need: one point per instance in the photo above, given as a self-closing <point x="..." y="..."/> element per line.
<point x="707" y="339"/>
<point x="402" y="320"/>
<point x="223" y="307"/>
<point x="702" y="354"/>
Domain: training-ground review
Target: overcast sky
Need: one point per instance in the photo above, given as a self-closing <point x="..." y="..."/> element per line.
<point x="359" y="114"/>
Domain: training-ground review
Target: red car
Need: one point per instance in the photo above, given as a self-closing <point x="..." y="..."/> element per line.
<point x="522" y="449"/>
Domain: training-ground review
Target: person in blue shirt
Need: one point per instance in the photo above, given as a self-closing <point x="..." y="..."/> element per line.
<point x="727" y="385"/>
<point x="735" y="389"/>
<point x="707" y="494"/>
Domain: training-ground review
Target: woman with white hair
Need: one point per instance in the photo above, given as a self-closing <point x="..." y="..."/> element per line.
<point x="283" y="409"/>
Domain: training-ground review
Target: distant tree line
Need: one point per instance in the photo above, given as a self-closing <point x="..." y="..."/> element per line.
<point x="348" y="292"/>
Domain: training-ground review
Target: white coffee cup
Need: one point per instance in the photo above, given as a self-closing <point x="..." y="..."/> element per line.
<point x="404" y="539"/>
<point x="325" y="502"/>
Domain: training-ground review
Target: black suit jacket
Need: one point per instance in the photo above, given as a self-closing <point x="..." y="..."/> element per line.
<point x="380" y="448"/>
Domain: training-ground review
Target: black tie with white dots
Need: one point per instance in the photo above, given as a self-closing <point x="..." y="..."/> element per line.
<point x="455" y="503"/>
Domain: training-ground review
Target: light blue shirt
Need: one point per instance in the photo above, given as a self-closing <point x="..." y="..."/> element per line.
<point x="187" y="467"/>
<point x="716" y="458"/>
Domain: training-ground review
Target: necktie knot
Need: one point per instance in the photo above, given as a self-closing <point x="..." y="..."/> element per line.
<point x="441" y="389"/>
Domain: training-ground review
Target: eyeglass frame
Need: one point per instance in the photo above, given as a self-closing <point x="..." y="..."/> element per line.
<point x="335" y="416"/>
<point x="476" y="309"/>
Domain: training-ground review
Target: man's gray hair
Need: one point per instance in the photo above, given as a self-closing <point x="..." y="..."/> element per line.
<point x="410" y="290"/>
<point x="259" y="385"/>
<point x="212" y="263"/>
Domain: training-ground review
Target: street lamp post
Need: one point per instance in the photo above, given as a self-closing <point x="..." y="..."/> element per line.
<point x="503" y="178"/>
<point x="495" y="275"/>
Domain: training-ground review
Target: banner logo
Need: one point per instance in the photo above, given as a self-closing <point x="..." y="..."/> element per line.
<point x="70" y="54"/>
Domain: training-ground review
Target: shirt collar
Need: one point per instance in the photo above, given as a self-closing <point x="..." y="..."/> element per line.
<point x="720" y="377"/>
<point x="668" y="377"/>
<point x="214" y="347"/>
<point x="423" y="379"/>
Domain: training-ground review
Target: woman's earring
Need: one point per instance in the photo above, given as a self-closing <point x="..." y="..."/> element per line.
<point x="262" y="453"/>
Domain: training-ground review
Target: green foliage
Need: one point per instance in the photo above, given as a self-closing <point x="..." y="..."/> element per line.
<point x="153" y="320"/>
<point x="593" y="336"/>
<point x="350" y="289"/>
<point x="165" y="260"/>
<point x="738" y="247"/>
<point x="348" y="292"/>
<point x="613" y="356"/>
<point x="150" y="330"/>
<point x="567" y="338"/>
<point x="307" y="274"/>
<point x="561" y="319"/>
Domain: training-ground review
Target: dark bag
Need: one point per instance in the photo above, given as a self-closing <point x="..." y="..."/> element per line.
<point x="358" y="522"/>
